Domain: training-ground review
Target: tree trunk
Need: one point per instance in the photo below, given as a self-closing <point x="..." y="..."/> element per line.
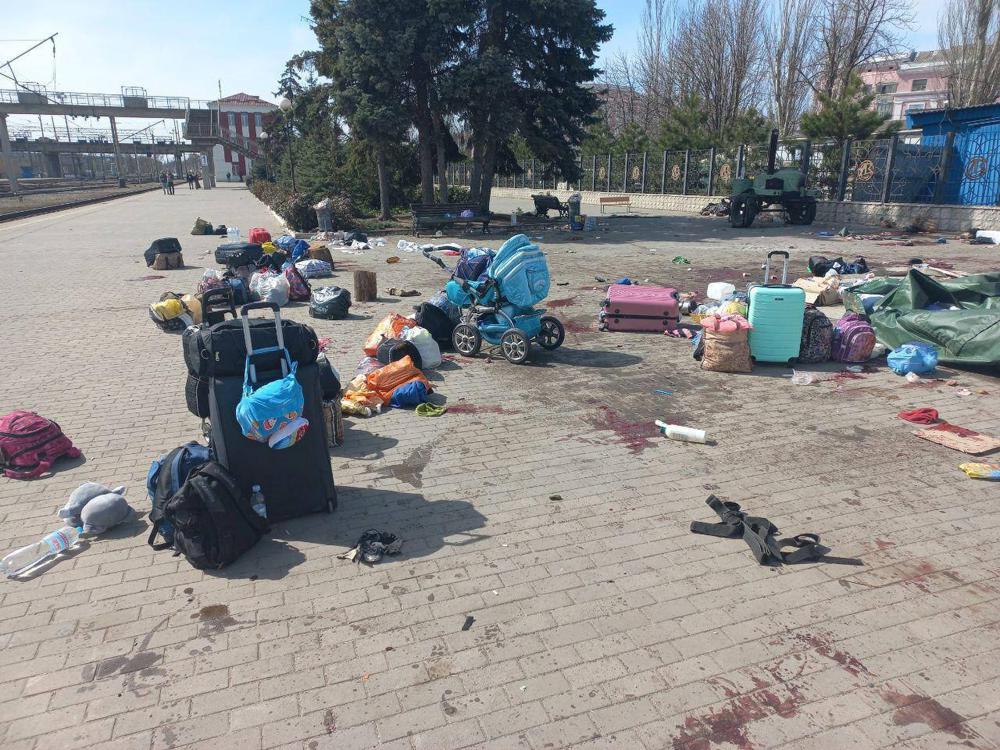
<point x="437" y="121"/>
<point x="489" y="166"/>
<point x="365" y="286"/>
<point x="383" y="183"/>
<point x="425" y="152"/>
<point x="475" y="179"/>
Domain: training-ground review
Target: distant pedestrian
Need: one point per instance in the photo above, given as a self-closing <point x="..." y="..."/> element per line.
<point x="197" y="181"/>
<point x="229" y="176"/>
<point x="190" y="181"/>
<point x="170" y="183"/>
<point x="163" y="182"/>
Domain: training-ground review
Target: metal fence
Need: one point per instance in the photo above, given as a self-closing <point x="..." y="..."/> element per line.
<point x="959" y="168"/>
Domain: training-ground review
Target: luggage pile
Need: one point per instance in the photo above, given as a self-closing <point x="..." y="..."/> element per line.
<point x="260" y="386"/>
<point x="391" y="370"/>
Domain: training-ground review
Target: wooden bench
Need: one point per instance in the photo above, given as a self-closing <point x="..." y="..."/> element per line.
<point x="439" y="215"/>
<point x="616" y="200"/>
<point x="545" y="203"/>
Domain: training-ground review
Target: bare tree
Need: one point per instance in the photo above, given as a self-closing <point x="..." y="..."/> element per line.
<point x="652" y="60"/>
<point x="851" y="33"/>
<point x="969" y="35"/>
<point x="789" y="49"/>
<point x="716" y="53"/>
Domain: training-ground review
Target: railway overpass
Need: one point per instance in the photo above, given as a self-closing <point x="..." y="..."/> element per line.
<point x="200" y="125"/>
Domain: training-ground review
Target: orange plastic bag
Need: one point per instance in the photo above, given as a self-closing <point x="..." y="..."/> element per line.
<point x="385" y="380"/>
<point x="388" y="328"/>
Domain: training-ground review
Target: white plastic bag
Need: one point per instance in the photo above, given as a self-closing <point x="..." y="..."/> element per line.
<point x="430" y="352"/>
<point x="270" y="287"/>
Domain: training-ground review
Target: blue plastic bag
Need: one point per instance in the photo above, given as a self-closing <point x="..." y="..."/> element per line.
<point x="914" y="356"/>
<point x="272" y="413"/>
<point x="300" y="250"/>
<point x="411" y="394"/>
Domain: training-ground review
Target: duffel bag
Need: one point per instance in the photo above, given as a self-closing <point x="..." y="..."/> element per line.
<point x="330" y="303"/>
<point x="161" y="246"/>
<point x="175" y="312"/>
<point x="234" y="254"/>
<point x="220" y="350"/>
<point x="393" y="350"/>
<point x="435" y="320"/>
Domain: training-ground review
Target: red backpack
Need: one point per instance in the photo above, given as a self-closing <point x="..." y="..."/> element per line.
<point x="29" y="444"/>
<point x="299" y="289"/>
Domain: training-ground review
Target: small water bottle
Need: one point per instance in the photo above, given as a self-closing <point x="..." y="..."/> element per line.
<point x="22" y="560"/>
<point x="257" y="501"/>
<point x="233" y="234"/>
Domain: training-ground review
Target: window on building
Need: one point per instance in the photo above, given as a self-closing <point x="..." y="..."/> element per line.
<point x="256" y="123"/>
<point x="919" y="84"/>
<point x="232" y="121"/>
<point x="916" y="107"/>
<point x="884" y="109"/>
<point x="245" y="122"/>
<point x="887" y="88"/>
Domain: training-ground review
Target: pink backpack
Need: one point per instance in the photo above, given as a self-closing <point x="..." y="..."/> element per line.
<point x="29" y="444"/>
<point x="299" y="289"/>
<point x="853" y="339"/>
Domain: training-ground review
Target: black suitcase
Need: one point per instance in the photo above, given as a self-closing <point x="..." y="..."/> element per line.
<point x="234" y="254"/>
<point x="220" y="349"/>
<point x="196" y="395"/>
<point x="295" y="481"/>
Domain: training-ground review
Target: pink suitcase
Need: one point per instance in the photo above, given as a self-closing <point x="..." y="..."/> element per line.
<point x="640" y="308"/>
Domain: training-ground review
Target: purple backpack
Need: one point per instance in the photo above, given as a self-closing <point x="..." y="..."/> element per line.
<point x="853" y="339"/>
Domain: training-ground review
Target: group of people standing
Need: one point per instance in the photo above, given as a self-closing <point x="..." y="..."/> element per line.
<point x="167" y="182"/>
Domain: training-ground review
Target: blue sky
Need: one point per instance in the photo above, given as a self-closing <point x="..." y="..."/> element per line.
<point x="185" y="47"/>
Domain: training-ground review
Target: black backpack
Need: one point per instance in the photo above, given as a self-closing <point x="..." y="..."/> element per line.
<point x="212" y="519"/>
<point x="436" y="321"/>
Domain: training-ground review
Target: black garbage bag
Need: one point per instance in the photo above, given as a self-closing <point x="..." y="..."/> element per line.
<point x="330" y="303"/>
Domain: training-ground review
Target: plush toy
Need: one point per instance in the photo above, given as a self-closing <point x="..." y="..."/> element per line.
<point x="96" y="508"/>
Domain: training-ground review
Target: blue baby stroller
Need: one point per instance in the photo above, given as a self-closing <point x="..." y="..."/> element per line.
<point x="499" y="308"/>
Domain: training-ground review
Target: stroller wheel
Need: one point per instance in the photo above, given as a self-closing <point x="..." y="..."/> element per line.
<point x="552" y="333"/>
<point x="466" y="339"/>
<point x="514" y="345"/>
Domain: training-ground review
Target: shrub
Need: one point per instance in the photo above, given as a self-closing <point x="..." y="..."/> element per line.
<point x="297" y="208"/>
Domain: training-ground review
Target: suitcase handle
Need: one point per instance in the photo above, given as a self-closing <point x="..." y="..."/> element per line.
<point x="246" y="332"/>
<point x="784" y="267"/>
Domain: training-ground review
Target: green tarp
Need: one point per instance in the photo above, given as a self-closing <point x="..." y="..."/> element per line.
<point x="968" y="335"/>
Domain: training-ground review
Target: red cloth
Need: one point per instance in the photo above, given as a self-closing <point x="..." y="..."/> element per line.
<point x="925" y="415"/>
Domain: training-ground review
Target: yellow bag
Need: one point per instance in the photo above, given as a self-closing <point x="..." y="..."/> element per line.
<point x="268" y="247"/>
<point x="175" y="312"/>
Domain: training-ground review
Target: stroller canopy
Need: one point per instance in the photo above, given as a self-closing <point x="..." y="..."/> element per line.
<point x="521" y="272"/>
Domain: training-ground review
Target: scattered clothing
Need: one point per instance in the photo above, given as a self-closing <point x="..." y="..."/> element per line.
<point x="981" y="471"/>
<point x="427" y="409"/>
<point x="372" y="546"/>
<point x="924" y="415"/>
<point x="396" y="292"/>
<point x="759" y="534"/>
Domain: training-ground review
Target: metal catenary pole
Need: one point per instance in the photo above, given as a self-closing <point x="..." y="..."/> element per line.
<point x="890" y="164"/>
<point x="845" y="165"/>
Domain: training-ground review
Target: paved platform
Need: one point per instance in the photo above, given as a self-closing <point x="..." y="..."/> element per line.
<point x="544" y="505"/>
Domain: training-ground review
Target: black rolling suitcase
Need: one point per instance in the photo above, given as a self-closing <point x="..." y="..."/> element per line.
<point x="295" y="481"/>
<point x="233" y="254"/>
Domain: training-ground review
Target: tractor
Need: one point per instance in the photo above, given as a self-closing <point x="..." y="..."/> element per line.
<point x="776" y="190"/>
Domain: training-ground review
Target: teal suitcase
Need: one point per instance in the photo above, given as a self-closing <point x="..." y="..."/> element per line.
<point x="776" y="316"/>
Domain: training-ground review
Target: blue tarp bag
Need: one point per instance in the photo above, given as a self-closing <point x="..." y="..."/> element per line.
<point x="286" y="242"/>
<point x="409" y="395"/>
<point x="300" y="250"/>
<point x="272" y="413"/>
<point x="913" y="356"/>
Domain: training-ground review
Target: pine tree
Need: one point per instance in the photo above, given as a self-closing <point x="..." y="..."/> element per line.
<point x="847" y="115"/>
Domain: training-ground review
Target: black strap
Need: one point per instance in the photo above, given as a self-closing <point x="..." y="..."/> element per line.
<point x="151" y="541"/>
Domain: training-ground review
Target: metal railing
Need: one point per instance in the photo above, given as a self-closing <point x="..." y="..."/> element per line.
<point x="77" y="99"/>
<point x="962" y="168"/>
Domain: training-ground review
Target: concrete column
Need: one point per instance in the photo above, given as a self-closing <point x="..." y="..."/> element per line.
<point x="118" y="153"/>
<point x="178" y="165"/>
<point x="8" y="156"/>
<point x="209" y="170"/>
<point x="53" y="167"/>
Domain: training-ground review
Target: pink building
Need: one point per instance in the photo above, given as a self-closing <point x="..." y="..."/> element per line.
<point x="911" y="82"/>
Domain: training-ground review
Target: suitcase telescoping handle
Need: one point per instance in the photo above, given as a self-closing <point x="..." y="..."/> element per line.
<point x="246" y="333"/>
<point x="784" y="268"/>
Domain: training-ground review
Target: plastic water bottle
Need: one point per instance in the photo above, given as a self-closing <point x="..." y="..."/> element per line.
<point x="679" y="432"/>
<point x="257" y="501"/>
<point x="233" y="234"/>
<point x="50" y="545"/>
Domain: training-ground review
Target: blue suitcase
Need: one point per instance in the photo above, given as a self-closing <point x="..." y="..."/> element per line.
<point x="776" y="316"/>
